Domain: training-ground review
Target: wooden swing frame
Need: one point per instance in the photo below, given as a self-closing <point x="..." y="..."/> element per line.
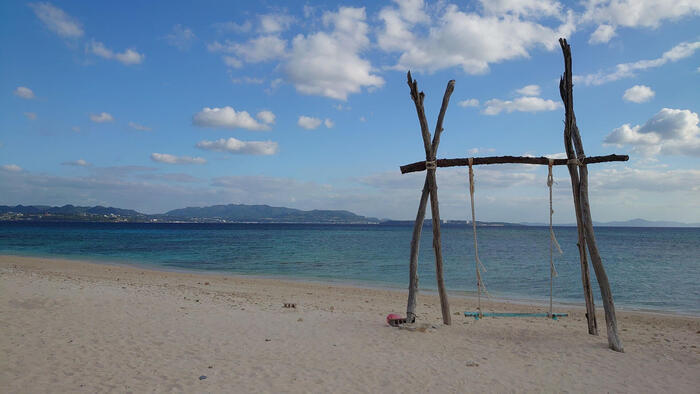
<point x="576" y="162"/>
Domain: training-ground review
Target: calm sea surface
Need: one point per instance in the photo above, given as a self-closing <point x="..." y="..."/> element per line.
<point x="649" y="268"/>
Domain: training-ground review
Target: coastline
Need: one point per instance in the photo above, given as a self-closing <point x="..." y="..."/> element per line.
<point x="506" y="299"/>
<point x="78" y="326"/>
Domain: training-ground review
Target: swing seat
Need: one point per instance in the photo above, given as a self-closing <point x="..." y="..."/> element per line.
<point x="478" y="315"/>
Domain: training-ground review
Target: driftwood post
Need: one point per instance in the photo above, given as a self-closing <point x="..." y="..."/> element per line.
<point x="415" y="248"/>
<point x="576" y="190"/>
<point x="585" y="273"/>
<point x="429" y="189"/>
<point x="585" y="224"/>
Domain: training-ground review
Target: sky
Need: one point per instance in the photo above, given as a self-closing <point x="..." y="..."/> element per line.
<point x="161" y="105"/>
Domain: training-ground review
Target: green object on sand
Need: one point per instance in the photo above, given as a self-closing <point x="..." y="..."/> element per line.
<point x="478" y="315"/>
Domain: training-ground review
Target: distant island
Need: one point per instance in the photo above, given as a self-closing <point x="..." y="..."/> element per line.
<point x="231" y="213"/>
<point x="242" y="213"/>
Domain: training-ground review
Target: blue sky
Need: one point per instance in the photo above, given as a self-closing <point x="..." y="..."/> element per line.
<point x="160" y="105"/>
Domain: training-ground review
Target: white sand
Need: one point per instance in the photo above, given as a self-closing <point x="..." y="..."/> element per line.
<point x="70" y="326"/>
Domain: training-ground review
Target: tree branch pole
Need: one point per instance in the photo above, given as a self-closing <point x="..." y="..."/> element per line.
<point x="571" y="129"/>
<point x="430" y="152"/>
<point x="581" y="243"/>
<point x="415" y="249"/>
<point x="461" y="162"/>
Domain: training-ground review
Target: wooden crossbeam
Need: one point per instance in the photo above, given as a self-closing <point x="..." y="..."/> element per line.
<point x="460" y="162"/>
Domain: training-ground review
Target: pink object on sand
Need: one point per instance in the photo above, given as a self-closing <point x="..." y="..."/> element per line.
<point x="392" y="316"/>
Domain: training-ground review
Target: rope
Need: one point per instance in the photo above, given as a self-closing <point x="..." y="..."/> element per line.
<point x="552" y="238"/>
<point x="479" y="265"/>
<point x="430" y="165"/>
<point x="576" y="160"/>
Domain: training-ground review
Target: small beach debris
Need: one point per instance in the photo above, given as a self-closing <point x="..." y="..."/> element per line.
<point x="300" y="319"/>
<point x="206" y="283"/>
<point x="395" y="320"/>
<point x="202" y="377"/>
<point x="472" y="364"/>
<point x="267" y="339"/>
<point x="290" y="305"/>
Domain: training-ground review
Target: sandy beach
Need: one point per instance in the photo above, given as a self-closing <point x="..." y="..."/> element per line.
<point x="72" y="326"/>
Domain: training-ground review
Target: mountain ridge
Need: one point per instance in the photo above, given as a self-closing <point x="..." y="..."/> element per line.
<point x="257" y="213"/>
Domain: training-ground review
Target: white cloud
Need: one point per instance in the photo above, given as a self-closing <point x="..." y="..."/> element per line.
<point x="227" y="118"/>
<point x="275" y="83"/>
<point x="529" y="90"/>
<point x="128" y="57"/>
<point x="139" y="127"/>
<point x="30" y="115"/>
<point x="11" y="167"/>
<point x="526" y="8"/>
<point x="328" y="123"/>
<point x="181" y="37"/>
<point x="627" y="70"/>
<point x="469" y="103"/>
<point x="103" y="117"/>
<point x="559" y="155"/>
<point x="56" y="20"/>
<point x="255" y="50"/>
<point x="521" y="104"/>
<point x="329" y="63"/>
<point x="266" y="117"/>
<point x="261" y="49"/>
<point x="456" y="38"/>
<point x="275" y="23"/>
<point x="638" y="13"/>
<point x="171" y="159"/>
<point x="76" y="163"/>
<point x="24" y="92"/>
<point x="308" y="122"/>
<point x="232" y="62"/>
<point x="234" y="146"/>
<point x="669" y="132"/>
<point x="638" y="94"/>
<point x="602" y="34"/>
<point x="647" y="180"/>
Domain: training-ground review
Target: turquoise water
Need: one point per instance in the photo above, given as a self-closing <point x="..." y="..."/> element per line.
<point x="649" y="268"/>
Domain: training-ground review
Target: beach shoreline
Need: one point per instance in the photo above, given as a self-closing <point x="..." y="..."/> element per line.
<point x="79" y="326"/>
<point x="353" y="283"/>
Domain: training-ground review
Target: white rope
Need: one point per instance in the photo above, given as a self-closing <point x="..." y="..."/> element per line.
<point x="479" y="265"/>
<point x="552" y="238"/>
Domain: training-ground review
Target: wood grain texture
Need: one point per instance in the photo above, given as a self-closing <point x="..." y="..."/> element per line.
<point x="464" y="161"/>
<point x="566" y="88"/>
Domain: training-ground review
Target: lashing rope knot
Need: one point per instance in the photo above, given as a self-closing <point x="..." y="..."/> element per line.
<point x="579" y="161"/>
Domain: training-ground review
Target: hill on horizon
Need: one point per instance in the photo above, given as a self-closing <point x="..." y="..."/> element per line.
<point x="257" y="213"/>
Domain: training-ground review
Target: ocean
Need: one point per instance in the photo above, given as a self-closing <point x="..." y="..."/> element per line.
<point x="649" y="268"/>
